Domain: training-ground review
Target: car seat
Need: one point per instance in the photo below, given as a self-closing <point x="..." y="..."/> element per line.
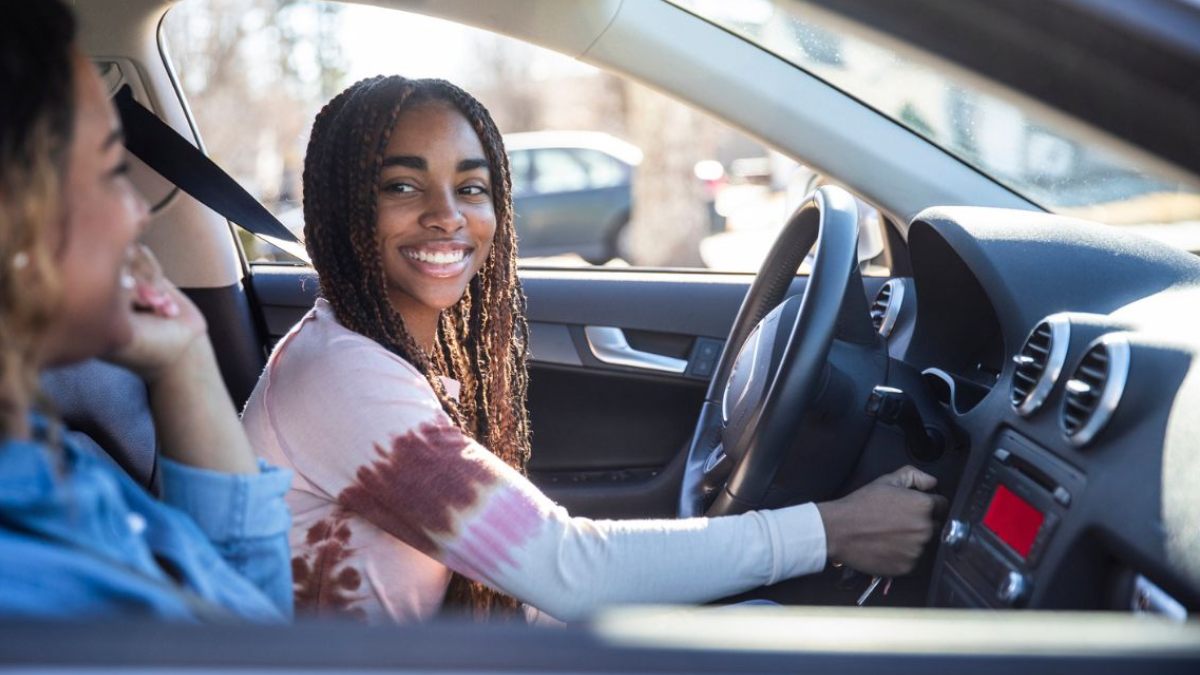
<point x="111" y="406"/>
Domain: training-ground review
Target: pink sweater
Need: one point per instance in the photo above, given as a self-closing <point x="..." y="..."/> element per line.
<point x="389" y="496"/>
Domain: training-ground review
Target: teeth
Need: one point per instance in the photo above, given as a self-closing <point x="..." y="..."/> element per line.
<point x="437" y="257"/>
<point x="128" y="282"/>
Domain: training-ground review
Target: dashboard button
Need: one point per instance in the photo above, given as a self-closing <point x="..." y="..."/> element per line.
<point x="1062" y="496"/>
<point x="956" y="533"/>
<point x="1013" y="588"/>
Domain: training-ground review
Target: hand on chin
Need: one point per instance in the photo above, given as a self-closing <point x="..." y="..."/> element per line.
<point x="164" y="324"/>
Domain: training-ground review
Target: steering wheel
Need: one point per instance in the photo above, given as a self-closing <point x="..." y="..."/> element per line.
<point x="773" y="364"/>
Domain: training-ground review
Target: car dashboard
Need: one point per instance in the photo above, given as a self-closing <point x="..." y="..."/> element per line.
<point x="1063" y="354"/>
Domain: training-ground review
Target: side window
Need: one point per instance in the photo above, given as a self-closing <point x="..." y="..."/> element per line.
<point x="518" y="169"/>
<point x="604" y="171"/>
<point x="637" y="178"/>
<point x="558" y="170"/>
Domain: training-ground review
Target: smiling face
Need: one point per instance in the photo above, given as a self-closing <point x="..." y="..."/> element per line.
<point x="103" y="216"/>
<point x="435" y="219"/>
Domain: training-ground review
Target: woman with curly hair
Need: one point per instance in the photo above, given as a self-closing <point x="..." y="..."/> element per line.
<point x="79" y="537"/>
<point x="399" y="401"/>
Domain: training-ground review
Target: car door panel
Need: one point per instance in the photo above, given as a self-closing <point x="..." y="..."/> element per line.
<point x="607" y="438"/>
<point x="285" y="293"/>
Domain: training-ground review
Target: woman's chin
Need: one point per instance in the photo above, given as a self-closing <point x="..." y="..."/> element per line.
<point x="450" y="300"/>
<point x="443" y="298"/>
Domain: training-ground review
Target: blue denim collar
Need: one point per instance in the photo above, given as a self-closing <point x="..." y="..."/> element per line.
<point x="27" y="473"/>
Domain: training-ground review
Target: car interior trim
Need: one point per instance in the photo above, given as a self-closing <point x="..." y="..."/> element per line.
<point x="608" y="345"/>
<point x="1117" y="371"/>
<point x="891" y="310"/>
<point x="800" y="114"/>
<point x="552" y="343"/>
<point x="1060" y="338"/>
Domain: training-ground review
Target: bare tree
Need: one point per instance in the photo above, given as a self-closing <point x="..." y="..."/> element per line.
<point x="254" y="73"/>
<point x="501" y="82"/>
<point x="670" y="214"/>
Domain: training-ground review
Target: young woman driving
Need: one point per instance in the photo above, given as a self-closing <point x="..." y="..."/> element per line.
<point x="399" y="401"/>
<point x="79" y="537"/>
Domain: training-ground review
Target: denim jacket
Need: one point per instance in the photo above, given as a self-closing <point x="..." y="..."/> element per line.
<point x="79" y="538"/>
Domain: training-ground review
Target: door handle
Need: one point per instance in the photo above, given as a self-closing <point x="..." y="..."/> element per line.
<point x="608" y="345"/>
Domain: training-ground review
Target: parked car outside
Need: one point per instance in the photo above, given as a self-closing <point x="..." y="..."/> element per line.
<point x="572" y="192"/>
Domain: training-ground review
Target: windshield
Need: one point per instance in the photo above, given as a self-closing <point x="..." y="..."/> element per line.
<point x="1012" y="144"/>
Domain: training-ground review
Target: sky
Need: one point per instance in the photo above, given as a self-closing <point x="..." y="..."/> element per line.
<point x="378" y="41"/>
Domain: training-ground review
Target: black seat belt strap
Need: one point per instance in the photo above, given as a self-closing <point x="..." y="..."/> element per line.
<point x="163" y="149"/>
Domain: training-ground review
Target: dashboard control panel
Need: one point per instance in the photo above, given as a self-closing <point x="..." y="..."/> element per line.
<point x="993" y="548"/>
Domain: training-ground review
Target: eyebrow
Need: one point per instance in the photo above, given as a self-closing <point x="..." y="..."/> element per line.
<point x="419" y="163"/>
<point x="409" y="161"/>
<point x="115" y="136"/>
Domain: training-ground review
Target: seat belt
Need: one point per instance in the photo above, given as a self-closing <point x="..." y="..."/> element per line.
<point x="170" y="154"/>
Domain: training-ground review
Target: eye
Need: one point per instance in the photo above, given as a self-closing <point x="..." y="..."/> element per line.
<point x="473" y="190"/>
<point x="399" y="187"/>
<point x="119" y="170"/>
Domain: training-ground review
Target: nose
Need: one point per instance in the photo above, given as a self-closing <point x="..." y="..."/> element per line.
<point x="138" y="209"/>
<point x="442" y="212"/>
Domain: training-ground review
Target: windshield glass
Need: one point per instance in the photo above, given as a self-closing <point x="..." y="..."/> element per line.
<point x="1015" y="146"/>
<point x="605" y="171"/>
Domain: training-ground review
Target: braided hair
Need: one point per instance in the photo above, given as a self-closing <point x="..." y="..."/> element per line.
<point x="482" y="341"/>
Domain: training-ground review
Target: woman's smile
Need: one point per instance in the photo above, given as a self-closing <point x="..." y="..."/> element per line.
<point x="440" y="260"/>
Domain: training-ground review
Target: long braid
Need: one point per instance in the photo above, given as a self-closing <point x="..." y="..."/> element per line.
<point x="501" y="332"/>
<point x="482" y="341"/>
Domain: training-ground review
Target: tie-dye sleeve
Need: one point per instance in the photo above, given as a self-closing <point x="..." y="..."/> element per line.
<point x="389" y="454"/>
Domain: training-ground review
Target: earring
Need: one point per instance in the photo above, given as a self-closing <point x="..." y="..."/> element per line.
<point x="20" y="261"/>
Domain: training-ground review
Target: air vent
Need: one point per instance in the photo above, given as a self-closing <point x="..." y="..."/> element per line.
<point x="1039" y="363"/>
<point x="1095" y="388"/>
<point x="886" y="307"/>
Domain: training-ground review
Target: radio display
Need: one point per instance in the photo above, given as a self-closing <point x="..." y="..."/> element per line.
<point x="1015" y="521"/>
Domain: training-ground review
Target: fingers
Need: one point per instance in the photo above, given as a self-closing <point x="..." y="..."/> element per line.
<point x="142" y="263"/>
<point x="941" y="506"/>
<point x="151" y="291"/>
<point x="910" y="477"/>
